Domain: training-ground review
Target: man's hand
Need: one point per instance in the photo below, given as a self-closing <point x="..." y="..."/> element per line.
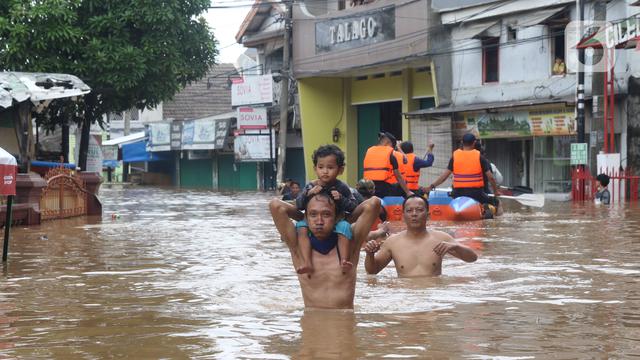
<point x="443" y="248"/>
<point x="384" y="226"/>
<point x="372" y="247"/>
<point x="336" y="195"/>
<point x="431" y="146"/>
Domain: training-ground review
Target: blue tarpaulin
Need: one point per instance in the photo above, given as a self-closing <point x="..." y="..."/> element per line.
<point x="137" y="152"/>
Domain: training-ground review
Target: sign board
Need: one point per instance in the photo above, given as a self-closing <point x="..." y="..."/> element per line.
<point x="252" y="90"/>
<point x="579" y="154"/>
<point x="356" y="30"/>
<point x="254" y="147"/>
<point x="110" y="152"/>
<point x="94" y="153"/>
<point x="204" y="134"/>
<point x="252" y="118"/>
<point x="176" y="135"/>
<point x="159" y="136"/>
<point x="509" y="124"/>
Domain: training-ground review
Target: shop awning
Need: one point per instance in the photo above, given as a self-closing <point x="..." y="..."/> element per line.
<point x="473" y="30"/>
<point x="137" y="152"/>
<point x="128" y="139"/>
<point x="484" y="106"/>
<point x="536" y="17"/>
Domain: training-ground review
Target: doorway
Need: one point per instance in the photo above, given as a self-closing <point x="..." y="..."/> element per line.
<point x="374" y="118"/>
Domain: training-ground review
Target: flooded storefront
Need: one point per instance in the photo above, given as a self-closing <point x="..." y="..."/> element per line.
<point x="197" y="274"/>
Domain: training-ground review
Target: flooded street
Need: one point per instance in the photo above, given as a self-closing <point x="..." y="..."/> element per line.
<point x="198" y="274"/>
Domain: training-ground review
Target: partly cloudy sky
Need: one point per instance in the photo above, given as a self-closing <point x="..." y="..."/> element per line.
<point x="225" y="24"/>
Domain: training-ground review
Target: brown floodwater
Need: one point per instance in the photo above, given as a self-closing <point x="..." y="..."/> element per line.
<point x="199" y="274"/>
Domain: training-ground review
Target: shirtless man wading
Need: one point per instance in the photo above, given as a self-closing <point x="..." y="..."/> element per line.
<point x="415" y="251"/>
<point x="328" y="287"/>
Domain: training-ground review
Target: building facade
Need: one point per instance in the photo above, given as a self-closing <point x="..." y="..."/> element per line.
<point x="359" y="68"/>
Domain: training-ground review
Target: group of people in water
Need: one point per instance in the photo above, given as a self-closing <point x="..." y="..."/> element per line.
<point x="332" y="222"/>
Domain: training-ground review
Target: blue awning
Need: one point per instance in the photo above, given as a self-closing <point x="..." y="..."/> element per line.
<point x="137" y="152"/>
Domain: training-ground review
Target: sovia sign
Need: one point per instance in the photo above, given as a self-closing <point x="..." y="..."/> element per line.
<point x="356" y="30"/>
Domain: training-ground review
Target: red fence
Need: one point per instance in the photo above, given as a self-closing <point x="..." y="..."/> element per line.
<point x="623" y="185"/>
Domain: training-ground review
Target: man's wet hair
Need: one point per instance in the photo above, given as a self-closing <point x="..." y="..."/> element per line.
<point x="328" y="150"/>
<point x="406" y="147"/>
<point x="324" y="194"/>
<point x="426" y="202"/>
<point x="603" y="179"/>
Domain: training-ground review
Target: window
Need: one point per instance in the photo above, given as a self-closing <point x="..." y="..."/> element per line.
<point x="490" y="60"/>
<point x="557" y="36"/>
<point x="511" y="33"/>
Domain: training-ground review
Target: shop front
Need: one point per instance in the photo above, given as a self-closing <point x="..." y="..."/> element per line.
<point x="530" y="145"/>
<point x="360" y="75"/>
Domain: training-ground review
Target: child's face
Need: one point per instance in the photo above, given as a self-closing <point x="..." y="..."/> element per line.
<point x="295" y="189"/>
<point x="327" y="169"/>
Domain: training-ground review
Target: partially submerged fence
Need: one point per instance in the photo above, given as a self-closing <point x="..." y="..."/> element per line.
<point x="623" y="185"/>
<point x="64" y="196"/>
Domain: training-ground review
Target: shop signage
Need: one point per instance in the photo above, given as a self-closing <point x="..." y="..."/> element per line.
<point x="176" y="135"/>
<point x="109" y="152"/>
<point x="94" y="153"/>
<point x="159" y="136"/>
<point x="579" y="154"/>
<point x="614" y="35"/>
<point x="252" y="118"/>
<point x="204" y="134"/>
<point x="356" y="30"/>
<point x="254" y="147"/>
<point x="252" y="90"/>
<point x="551" y="122"/>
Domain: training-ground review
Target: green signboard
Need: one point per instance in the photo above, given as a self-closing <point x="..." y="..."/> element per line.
<point x="579" y="154"/>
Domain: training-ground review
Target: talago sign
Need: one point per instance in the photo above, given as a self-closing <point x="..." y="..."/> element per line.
<point x="252" y="90"/>
<point x="356" y="30"/>
<point x="252" y="118"/>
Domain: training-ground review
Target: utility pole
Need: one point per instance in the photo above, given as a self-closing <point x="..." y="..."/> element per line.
<point x="597" y="89"/>
<point x="284" y="94"/>
<point x="580" y="88"/>
<point x="127" y="128"/>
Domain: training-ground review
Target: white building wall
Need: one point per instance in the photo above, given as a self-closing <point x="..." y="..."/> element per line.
<point x="151" y="115"/>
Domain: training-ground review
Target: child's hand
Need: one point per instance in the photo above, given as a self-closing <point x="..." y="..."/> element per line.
<point x="336" y="195"/>
<point x="314" y="190"/>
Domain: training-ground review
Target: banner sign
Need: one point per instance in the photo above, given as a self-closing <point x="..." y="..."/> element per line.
<point x="252" y="118"/>
<point x="176" y="135"/>
<point x="159" y="136"/>
<point x="204" y="134"/>
<point x="356" y="30"/>
<point x="579" y="154"/>
<point x="254" y="147"/>
<point x="551" y="122"/>
<point x="94" y="153"/>
<point x="252" y="90"/>
<point x="110" y="152"/>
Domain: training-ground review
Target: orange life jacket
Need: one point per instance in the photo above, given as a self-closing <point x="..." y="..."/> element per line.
<point x="467" y="170"/>
<point x="377" y="166"/>
<point x="402" y="161"/>
<point x="411" y="177"/>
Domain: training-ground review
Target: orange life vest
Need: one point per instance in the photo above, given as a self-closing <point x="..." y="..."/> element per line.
<point x="402" y="161"/>
<point x="377" y="166"/>
<point x="411" y="177"/>
<point x="467" y="170"/>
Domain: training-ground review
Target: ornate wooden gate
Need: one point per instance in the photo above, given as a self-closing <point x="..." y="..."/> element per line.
<point x="65" y="195"/>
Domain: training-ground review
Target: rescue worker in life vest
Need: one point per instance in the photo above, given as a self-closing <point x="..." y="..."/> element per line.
<point x="468" y="167"/>
<point x="410" y="169"/>
<point x="381" y="165"/>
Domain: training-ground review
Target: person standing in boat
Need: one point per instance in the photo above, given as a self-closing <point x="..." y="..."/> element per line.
<point x="411" y="169"/>
<point x="381" y="165"/>
<point x="469" y="168"/>
<point x="416" y="251"/>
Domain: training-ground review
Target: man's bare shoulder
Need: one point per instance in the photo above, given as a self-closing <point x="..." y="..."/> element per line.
<point x="440" y="235"/>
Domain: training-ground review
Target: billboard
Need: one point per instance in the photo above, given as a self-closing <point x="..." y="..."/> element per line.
<point x="252" y="90"/>
<point x="204" y="134"/>
<point x="254" y="147"/>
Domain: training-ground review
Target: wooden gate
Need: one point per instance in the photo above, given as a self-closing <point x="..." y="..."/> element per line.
<point x="64" y="196"/>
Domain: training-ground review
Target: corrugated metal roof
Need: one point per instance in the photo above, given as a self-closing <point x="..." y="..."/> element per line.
<point x="21" y="86"/>
<point x="483" y="106"/>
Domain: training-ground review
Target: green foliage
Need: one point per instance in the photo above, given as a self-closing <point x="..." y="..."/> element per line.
<point x="130" y="52"/>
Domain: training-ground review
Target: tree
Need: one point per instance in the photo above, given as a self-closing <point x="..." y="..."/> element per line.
<point x="130" y="52"/>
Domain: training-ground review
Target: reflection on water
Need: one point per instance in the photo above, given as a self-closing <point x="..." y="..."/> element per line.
<point x="189" y="274"/>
